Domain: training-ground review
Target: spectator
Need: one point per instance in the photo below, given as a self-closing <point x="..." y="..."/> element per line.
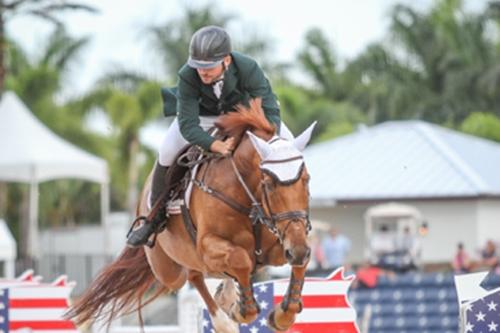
<point x="406" y="251"/>
<point x="490" y="257"/>
<point x="382" y="248"/>
<point x="335" y="247"/>
<point x="317" y="261"/>
<point x="461" y="262"/>
<point x="368" y="275"/>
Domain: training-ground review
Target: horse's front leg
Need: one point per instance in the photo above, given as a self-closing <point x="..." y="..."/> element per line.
<point x="282" y="317"/>
<point x="223" y="256"/>
<point x="220" y="321"/>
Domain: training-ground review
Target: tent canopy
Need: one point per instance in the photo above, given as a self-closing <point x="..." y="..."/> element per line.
<point x="32" y="153"/>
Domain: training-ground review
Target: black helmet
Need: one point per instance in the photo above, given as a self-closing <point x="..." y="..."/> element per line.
<point x="209" y="45"/>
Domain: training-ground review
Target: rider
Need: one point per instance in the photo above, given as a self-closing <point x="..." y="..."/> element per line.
<point x="213" y="81"/>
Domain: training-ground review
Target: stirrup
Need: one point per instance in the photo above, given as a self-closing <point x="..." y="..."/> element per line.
<point x="156" y="228"/>
<point x="139" y="218"/>
<point x="140" y="236"/>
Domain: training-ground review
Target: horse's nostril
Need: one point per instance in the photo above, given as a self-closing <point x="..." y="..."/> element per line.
<point x="288" y="255"/>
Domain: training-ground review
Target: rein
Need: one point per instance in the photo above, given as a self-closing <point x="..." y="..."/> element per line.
<point x="256" y="212"/>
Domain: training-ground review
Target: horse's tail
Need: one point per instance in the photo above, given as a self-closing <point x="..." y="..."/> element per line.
<point x="118" y="289"/>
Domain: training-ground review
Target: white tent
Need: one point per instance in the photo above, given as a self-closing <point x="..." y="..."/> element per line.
<point x="31" y="153"/>
<point x="8" y="250"/>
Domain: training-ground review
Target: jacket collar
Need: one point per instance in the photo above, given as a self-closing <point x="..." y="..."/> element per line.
<point x="230" y="81"/>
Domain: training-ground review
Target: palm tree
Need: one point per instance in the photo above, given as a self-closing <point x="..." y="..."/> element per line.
<point x="37" y="81"/>
<point x="44" y="9"/>
<point x="128" y="108"/>
<point x="451" y="53"/>
<point x="318" y="59"/>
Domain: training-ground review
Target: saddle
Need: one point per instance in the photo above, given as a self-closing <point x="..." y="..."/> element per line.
<point x="179" y="179"/>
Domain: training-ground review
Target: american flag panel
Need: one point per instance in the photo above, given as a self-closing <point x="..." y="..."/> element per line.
<point x="326" y="307"/>
<point x="483" y="315"/>
<point x="35" y="307"/>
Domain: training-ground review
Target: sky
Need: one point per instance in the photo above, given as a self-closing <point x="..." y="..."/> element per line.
<point x="118" y="31"/>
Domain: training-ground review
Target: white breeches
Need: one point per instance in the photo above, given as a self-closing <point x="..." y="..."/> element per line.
<point x="174" y="141"/>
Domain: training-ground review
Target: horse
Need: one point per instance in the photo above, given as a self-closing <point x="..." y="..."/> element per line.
<point x="250" y="210"/>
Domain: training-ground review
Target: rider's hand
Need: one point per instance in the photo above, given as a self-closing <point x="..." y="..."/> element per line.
<point x="223" y="147"/>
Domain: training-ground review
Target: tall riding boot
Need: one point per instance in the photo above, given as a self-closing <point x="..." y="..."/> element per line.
<point x="140" y="235"/>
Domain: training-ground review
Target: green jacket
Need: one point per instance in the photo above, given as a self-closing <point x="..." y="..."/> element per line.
<point x="244" y="79"/>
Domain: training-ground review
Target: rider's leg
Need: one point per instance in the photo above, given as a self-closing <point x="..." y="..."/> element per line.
<point x="172" y="142"/>
<point x="170" y="146"/>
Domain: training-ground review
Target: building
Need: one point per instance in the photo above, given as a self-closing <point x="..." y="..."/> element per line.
<point x="453" y="179"/>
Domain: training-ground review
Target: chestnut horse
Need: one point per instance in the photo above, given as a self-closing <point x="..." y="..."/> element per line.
<point x="258" y="216"/>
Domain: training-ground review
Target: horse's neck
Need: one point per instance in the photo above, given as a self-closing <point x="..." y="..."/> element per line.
<point x="247" y="162"/>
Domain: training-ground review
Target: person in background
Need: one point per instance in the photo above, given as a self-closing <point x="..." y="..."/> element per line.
<point x="490" y="257"/>
<point x="317" y="262"/>
<point x="407" y="251"/>
<point x="383" y="247"/>
<point x="335" y="247"/>
<point x="461" y="262"/>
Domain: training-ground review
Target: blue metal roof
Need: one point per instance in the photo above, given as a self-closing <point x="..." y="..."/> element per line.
<point x="403" y="160"/>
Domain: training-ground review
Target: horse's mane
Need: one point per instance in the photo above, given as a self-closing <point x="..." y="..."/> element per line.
<point x="245" y="118"/>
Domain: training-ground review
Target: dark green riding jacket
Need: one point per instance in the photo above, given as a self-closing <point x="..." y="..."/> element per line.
<point x="244" y="79"/>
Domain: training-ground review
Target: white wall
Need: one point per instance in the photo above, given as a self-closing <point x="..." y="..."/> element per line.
<point x="488" y="221"/>
<point x="450" y="222"/>
<point x="87" y="239"/>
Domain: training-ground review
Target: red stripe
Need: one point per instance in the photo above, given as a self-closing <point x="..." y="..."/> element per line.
<point x="38" y="303"/>
<point x="320" y="301"/>
<point x="42" y="325"/>
<point x="323" y="328"/>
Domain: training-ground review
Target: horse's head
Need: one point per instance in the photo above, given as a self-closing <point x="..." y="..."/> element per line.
<point x="284" y="191"/>
<point x="275" y="169"/>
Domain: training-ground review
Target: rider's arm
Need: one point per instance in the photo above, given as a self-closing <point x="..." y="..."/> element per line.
<point x="188" y="114"/>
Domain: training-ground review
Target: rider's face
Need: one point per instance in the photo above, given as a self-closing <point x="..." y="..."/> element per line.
<point x="209" y="75"/>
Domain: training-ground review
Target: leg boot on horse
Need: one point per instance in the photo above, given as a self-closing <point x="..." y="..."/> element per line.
<point x="139" y="234"/>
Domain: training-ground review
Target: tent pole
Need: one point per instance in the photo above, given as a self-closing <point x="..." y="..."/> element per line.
<point x="105" y="218"/>
<point x="32" y="248"/>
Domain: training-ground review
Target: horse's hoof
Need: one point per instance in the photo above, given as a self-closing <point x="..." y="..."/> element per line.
<point x="280" y="321"/>
<point x="271" y="323"/>
<point x="237" y="316"/>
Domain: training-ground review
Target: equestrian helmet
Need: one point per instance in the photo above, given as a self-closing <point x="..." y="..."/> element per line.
<point x="209" y="45"/>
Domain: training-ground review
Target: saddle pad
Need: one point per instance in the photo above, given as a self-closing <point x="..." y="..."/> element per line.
<point x="174" y="207"/>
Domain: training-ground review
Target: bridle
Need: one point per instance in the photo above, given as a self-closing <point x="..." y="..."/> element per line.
<point x="256" y="212"/>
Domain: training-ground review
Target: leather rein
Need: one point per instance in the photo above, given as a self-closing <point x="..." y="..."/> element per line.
<point x="256" y="212"/>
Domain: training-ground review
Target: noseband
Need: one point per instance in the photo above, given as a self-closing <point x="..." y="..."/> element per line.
<point x="257" y="214"/>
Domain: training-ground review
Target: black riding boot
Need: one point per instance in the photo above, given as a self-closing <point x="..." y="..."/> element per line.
<point x="140" y="235"/>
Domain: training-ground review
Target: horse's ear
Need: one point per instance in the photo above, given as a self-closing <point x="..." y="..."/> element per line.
<point x="302" y="140"/>
<point x="262" y="147"/>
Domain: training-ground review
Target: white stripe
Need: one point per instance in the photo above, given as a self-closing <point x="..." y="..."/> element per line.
<point x="36" y="314"/>
<point x="40" y="292"/>
<point x="326" y="315"/>
<point x="324" y="288"/>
